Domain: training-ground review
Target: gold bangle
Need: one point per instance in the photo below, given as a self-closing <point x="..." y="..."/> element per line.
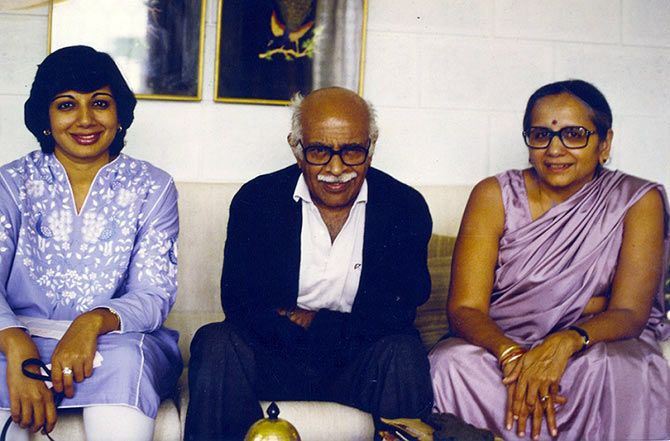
<point x="511" y="359"/>
<point x="512" y="354"/>
<point x="507" y="351"/>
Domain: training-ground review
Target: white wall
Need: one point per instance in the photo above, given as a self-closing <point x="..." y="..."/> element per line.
<point x="450" y="79"/>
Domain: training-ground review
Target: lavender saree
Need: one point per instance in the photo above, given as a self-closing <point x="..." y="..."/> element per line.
<point x="547" y="271"/>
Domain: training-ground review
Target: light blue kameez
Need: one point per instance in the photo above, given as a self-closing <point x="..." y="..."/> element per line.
<point x="119" y="252"/>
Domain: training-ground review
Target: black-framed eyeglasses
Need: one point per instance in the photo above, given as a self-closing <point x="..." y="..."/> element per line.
<point x="321" y="154"/>
<point x="573" y="137"/>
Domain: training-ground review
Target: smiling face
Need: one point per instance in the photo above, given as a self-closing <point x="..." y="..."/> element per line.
<point x="83" y="125"/>
<point x="564" y="170"/>
<point x="335" y="118"/>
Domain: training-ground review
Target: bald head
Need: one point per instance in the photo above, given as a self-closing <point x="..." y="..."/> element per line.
<point x="335" y="102"/>
<point x="334" y="106"/>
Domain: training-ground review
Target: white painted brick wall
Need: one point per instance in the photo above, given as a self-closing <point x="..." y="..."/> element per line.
<point x="646" y="22"/>
<point x="507" y="149"/>
<point x="481" y="73"/>
<point x="454" y="17"/>
<point x="589" y="21"/>
<point x="643" y="148"/>
<point x="450" y="79"/>
<point x="435" y="145"/>
<point x="399" y="82"/>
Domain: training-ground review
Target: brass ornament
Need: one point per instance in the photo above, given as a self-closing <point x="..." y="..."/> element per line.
<point x="272" y="428"/>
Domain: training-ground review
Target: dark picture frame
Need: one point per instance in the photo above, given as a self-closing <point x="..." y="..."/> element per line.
<point x="157" y="44"/>
<point x="267" y="50"/>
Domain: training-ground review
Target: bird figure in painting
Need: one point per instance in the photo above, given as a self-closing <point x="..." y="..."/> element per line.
<point x="289" y="24"/>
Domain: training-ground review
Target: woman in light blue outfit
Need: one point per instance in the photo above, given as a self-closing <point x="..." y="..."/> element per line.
<point x="88" y="259"/>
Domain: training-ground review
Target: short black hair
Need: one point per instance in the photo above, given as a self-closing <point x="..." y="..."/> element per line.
<point x="83" y="69"/>
<point x="584" y="91"/>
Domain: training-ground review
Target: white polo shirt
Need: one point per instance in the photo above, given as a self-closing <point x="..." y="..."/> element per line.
<point x="329" y="273"/>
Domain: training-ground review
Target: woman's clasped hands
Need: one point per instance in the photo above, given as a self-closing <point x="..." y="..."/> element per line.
<point x="32" y="404"/>
<point x="533" y="380"/>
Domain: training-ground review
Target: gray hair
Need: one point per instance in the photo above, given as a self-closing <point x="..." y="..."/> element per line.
<point x="296" y="125"/>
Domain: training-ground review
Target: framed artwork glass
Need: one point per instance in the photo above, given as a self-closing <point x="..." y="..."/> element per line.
<point x="267" y="50"/>
<point x="157" y="44"/>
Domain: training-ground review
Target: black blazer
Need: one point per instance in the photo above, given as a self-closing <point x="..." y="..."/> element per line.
<point x="262" y="260"/>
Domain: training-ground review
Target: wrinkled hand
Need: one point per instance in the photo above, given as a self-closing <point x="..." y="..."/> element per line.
<point x="76" y="351"/>
<point x="31" y="402"/>
<point x="542" y="409"/>
<point x="538" y="374"/>
<point x="299" y="316"/>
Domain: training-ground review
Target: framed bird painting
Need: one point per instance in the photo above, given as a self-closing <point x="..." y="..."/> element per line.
<point x="267" y="50"/>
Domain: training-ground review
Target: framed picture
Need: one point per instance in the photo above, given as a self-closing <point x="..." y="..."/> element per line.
<point x="267" y="50"/>
<point x="157" y="44"/>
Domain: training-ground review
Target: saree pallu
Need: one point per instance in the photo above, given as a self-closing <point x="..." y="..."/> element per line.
<point x="547" y="271"/>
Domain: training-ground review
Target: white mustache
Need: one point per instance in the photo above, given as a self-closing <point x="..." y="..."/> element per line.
<point x="345" y="177"/>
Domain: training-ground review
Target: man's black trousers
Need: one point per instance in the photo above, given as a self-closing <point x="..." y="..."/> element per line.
<point x="231" y="369"/>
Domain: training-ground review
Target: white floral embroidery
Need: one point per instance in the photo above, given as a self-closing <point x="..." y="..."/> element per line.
<point x="35" y="188"/>
<point x="60" y="223"/>
<point x="125" y="197"/>
<point x="107" y="195"/>
<point x="158" y="271"/>
<point x="94" y="224"/>
<point x="5" y="227"/>
<point x="73" y="260"/>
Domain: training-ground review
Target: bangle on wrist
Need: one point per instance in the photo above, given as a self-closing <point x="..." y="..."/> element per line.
<point x="585" y="337"/>
<point x="508" y="351"/>
<point x="511" y="358"/>
<point x="510" y="354"/>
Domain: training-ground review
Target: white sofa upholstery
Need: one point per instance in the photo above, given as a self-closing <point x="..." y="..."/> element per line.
<point x="203" y="210"/>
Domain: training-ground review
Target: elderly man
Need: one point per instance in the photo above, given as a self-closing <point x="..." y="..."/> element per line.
<point x="324" y="266"/>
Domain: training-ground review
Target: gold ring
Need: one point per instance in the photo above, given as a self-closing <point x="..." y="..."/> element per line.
<point x="67" y="371"/>
<point x="544" y="398"/>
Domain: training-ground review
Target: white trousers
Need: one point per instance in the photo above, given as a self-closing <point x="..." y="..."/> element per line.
<point x="101" y="423"/>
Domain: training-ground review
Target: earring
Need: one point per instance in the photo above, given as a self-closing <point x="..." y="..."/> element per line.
<point x="46" y="132"/>
<point x="120" y="128"/>
<point x="604" y="161"/>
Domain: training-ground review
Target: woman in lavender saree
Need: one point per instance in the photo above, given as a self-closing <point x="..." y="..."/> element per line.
<point x="556" y="301"/>
<point x="87" y="260"/>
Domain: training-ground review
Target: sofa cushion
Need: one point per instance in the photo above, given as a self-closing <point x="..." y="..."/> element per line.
<point x="431" y="317"/>
<point x="70" y="425"/>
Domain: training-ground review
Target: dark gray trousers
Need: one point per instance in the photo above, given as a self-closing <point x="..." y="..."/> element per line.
<point x="232" y="369"/>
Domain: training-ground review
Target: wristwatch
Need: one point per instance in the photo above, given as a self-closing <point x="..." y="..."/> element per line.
<point x="585" y="336"/>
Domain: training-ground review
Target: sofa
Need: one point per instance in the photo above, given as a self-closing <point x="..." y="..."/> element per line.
<point x="203" y="210"/>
